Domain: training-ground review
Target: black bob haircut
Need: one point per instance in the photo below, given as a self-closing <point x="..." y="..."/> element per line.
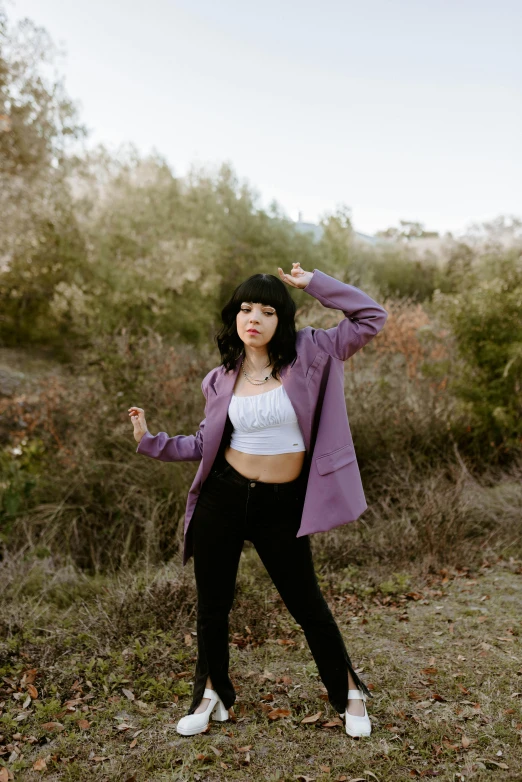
<point x="260" y="289"/>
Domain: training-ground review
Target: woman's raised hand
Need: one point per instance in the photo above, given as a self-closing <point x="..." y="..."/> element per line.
<point x="297" y="278"/>
<point x="137" y="416"/>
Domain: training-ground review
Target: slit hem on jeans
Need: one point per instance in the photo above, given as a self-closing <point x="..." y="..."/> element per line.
<point x="193" y="706"/>
<point x="359" y="683"/>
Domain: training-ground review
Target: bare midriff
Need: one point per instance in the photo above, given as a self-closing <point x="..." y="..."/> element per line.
<point x="269" y="468"/>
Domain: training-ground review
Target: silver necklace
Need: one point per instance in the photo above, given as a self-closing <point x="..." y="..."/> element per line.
<point x="254" y="382"/>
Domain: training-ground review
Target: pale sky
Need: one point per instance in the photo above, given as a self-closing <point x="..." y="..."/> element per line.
<point x="407" y="110"/>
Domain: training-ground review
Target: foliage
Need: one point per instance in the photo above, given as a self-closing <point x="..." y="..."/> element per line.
<point x="486" y="323"/>
<point x="398" y="273"/>
<point x="39" y="119"/>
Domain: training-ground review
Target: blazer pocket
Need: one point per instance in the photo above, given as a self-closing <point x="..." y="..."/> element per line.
<point x="318" y="360"/>
<point x="332" y="461"/>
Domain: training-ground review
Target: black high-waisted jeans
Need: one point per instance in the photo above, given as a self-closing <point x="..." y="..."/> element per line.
<point x="231" y="509"/>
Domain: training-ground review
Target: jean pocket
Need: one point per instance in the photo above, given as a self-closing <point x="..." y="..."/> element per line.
<point x="218" y="473"/>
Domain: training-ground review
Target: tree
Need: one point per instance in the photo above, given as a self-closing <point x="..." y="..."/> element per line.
<point x="41" y="248"/>
<point x="38" y="119"/>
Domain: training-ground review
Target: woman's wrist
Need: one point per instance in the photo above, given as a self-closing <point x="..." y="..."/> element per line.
<point x="309" y="281"/>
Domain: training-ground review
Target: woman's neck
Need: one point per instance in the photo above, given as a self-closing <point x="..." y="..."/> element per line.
<point x="256" y="363"/>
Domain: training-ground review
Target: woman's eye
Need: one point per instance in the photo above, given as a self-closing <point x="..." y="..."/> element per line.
<point x="265" y="313"/>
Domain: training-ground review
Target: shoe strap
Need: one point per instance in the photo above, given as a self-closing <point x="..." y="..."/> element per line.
<point x="356" y="695"/>
<point x="210" y="693"/>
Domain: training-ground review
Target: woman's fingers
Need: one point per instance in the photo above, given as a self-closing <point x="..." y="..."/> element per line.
<point x="137" y="416"/>
<point x="286" y="277"/>
<point x="297" y="272"/>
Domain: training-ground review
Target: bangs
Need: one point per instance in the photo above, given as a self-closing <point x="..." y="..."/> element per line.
<point x="261" y="289"/>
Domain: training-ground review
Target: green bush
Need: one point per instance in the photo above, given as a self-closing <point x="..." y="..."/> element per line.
<point x="486" y="323"/>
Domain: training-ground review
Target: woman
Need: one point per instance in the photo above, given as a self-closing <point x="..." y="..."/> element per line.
<point x="277" y="463"/>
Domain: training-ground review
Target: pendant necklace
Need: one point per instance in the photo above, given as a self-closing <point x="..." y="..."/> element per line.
<point x="254" y="382"/>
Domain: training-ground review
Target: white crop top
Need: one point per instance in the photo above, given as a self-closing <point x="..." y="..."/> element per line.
<point x="265" y="423"/>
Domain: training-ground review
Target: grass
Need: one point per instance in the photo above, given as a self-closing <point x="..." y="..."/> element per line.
<point x="110" y="662"/>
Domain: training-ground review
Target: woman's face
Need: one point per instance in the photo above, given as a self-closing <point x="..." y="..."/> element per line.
<point x="262" y="318"/>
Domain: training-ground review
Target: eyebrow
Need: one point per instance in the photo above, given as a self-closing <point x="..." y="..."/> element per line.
<point x="263" y="305"/>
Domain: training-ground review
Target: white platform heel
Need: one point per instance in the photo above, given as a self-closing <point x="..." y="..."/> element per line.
<point x="196" y="723"/>
<point x="357" y="726"/>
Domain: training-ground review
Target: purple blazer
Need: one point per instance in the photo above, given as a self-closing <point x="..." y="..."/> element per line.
<point x="315" y="385"/>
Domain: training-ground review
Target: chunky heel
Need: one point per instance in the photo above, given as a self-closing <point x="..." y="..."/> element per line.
<point x="357" y="726"/>
<point x="220" y="713"/>
<point x="197" y="722"/>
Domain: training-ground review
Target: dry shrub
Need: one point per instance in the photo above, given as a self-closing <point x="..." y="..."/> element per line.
<point x="105" y="507"/>
<point x="422" y="520"/>
<point x="396" y="394"/>
<point x="402" y="337"/>
<point x="94" y="499"/>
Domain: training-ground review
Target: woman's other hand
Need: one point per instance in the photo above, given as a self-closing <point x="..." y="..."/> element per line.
<point x="137" y="416"/>
<point x="297" y="278"/>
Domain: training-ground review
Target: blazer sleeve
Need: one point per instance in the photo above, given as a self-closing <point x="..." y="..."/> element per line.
<point x="364" y="318"/>
<point x="180" y="448"/>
